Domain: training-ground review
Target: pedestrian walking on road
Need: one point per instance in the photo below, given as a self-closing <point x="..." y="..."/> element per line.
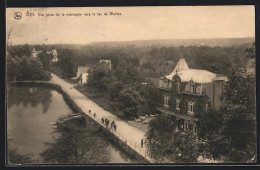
<point x="94" y="115"/>
<point x="102" y="120"/>
<point x="107" y="123"/>
<point x="142" y="143"/>
<point x="115" y="127"/>
<point x="112" y="124"/>
<point x="89" y="111"/>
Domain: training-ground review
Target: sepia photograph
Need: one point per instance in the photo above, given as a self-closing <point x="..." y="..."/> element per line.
<point x="131" y="85"/>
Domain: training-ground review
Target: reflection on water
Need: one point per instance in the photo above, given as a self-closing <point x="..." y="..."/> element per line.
<point x="31" y="95"/>
<point x="30" y="115"/>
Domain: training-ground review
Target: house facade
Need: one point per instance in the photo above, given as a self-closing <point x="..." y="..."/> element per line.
<point x="54" y="54"/>
<point x="35" y="53"/>
<point x="106" y="63"/>
<point x="82" y="74"/>
<point x="186" y="93"/>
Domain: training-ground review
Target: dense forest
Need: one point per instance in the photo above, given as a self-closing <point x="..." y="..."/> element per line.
<point x="158" y="61"/>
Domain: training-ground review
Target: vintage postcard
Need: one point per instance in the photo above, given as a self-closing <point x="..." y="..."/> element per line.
<point x="131" y="85"/>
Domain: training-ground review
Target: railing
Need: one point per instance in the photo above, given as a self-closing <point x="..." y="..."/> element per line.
<point x="190" y="113"/>
<point x="138" y="147"/>
<point x="192" y="93"/>
<point x="166" y="106"/>
<point x="164" y="88"/>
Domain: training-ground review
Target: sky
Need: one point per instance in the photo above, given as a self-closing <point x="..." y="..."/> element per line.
<point x="133" y="23"/>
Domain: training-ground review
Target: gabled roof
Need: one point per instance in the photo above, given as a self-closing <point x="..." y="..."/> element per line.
<point x="198" y="76"/>
<point x="83" y="69"/>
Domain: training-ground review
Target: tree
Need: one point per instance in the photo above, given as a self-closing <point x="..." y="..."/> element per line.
<point x="19" y="51"/>
<point x="13" y="157"/>
<point x="65" y="63"/>
<point x="25" y="68"/>
<point x="101" y="79"/>
<point x="166" y="145"/>
<point x="152" y="96"/>
<point x="45" y="59"/>
<point x="76" y="144"/>
<point x="250" y="52"/>
<point x="211" y="126"/>
<point x="13" y="68"/>
<point x="132" y="103"/>
<point x="240" y="99"/>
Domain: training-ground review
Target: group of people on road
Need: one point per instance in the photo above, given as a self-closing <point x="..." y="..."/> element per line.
<point x="112" y="125"/>
<point x="106" y="122"/>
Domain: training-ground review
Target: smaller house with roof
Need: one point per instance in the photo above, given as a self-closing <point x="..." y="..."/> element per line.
<point x="35" y="53"/>
<point x="82" y="74"/>
<point x="106" y="63"/>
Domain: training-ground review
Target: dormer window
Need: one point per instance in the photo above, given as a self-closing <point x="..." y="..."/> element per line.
<point x="165" y="84"/>
<point x="192" y="88"/>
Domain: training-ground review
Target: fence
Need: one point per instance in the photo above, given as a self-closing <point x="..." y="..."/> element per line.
<point x="136" y="146"/>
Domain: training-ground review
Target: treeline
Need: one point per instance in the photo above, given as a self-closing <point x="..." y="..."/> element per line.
<point x="25" y="68"/>
<point x="22" y="66"/>
<point x="154" y="59"/>
<point x="127" y="93"/>
<point x="149" y="60"/>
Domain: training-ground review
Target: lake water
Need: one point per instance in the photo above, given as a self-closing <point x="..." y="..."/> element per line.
<point x="31" y="112"/>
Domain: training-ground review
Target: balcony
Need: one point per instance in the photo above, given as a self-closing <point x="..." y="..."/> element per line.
<point x="164" y="88"/>
<point x="192" y="93"/>
<point x="191" y="113"/>
<point x="166" y="106"/>
<point x="183" y="116"/>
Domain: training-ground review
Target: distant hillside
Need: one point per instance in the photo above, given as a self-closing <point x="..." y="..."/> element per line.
<point x="180" y="42"/>
<point x="222" y="42"/>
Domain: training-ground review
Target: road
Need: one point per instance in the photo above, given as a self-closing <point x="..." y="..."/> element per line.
<point x="124" y="131"/>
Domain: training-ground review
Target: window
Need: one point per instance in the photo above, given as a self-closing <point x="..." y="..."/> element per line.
<point x="190" y="127"/>
<point x="192" y="88"/>
<point x="177" y="104"/>
<point x="165" y="84"/>
<point x="166" y="101"/>
<point x="191" y="108"/>
<point x="207" y="105"/>
<point x="178" y="87"/>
